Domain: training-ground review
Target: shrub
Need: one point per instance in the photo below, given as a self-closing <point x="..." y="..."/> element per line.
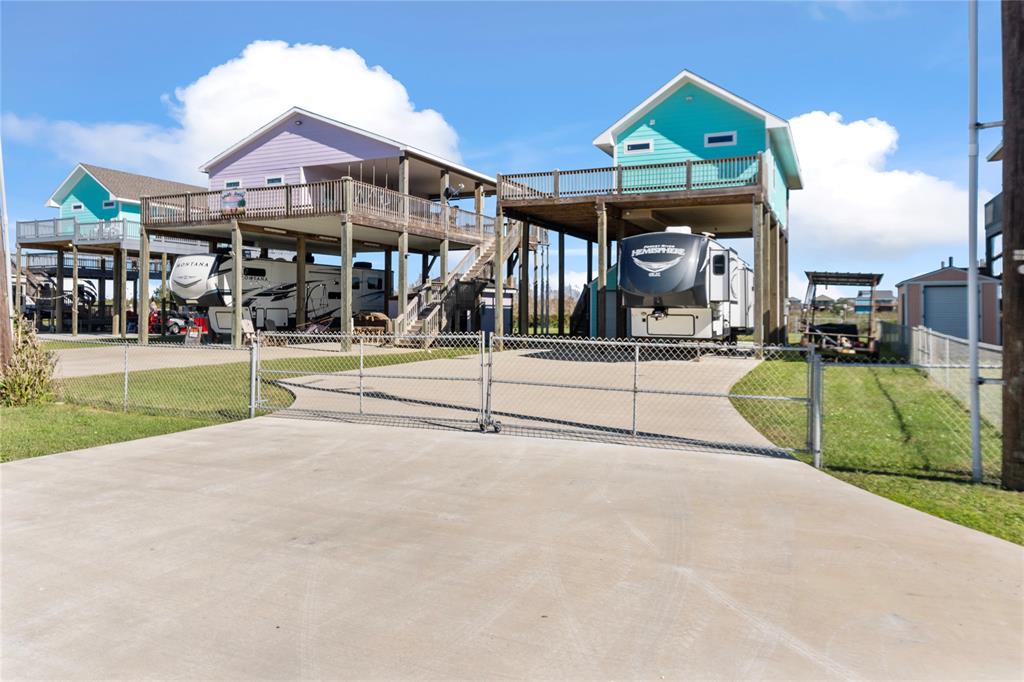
<point x="29" y="377"/>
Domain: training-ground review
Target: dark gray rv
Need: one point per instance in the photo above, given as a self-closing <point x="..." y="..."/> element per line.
<point x="675" y="284"/>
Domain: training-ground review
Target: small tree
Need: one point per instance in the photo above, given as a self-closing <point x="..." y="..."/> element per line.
<point x="28" y="377"/>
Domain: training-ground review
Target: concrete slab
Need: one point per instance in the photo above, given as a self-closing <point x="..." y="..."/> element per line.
<point x="276" y="548"/>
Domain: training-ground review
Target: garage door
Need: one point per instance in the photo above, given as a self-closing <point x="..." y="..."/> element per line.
<point x="945" y="310"/>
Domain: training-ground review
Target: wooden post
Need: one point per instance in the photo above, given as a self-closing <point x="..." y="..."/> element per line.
<point x="347" y="194"/>
<point x="602" y="269"/>
<point x="757" y="221"/>
<point x="784" y="296"/>
<point x="123" y="327"/>
<point x="142" y="284"/>
<point x="101" y="286"/>
<point x="236" y="284"/>
<point x="590" y="262"/>
<point x="389" y="287"/>
<point x="773" y="280"/>
<point x="1013" y="245"/>
<point x="478" y="208"/>
<point x="499" y="272"/>
<point x="561" y="283"/>
<point x="447" y="216"/>
<point x="74" y="290"/>
<point x="403" y="278"/>
<point x="115" y="283"/>
<point x="300" y="281"/>
<point x="403" y="186"/>
<point x="524" y="277"/>
<point x="57" y="309"/>
<point x="536" y="287"/>
<point x="19" y="287"/>
<point x="164" y="294"/>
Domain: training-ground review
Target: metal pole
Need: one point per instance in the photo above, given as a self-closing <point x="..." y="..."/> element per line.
<point x="636" y="380"/>
<point x="972" y="220"/>
<point x="483" y="378"/>
<point x="252" y="375"/>
<point x="816" y="412"/>
<point x="488" y="416"/>
<point x="124" y="397"/>
<point x="360" y="377"/>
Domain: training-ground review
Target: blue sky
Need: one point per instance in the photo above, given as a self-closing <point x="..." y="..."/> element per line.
<point x="527" y="86"/>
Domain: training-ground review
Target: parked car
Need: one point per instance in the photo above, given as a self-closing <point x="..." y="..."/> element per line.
<point x="175" y="323"/>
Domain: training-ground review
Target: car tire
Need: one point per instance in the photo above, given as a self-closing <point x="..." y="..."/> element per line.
<point x="174" y="328"/>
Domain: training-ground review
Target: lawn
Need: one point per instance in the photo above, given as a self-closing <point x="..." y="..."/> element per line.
<point x="893" y="432"/>
<point x="168" y="400"/>
<point x="54" y="427"/>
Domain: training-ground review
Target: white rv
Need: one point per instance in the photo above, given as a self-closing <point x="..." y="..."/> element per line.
<point x="675" y="284"/>
<point x="268" y="287"/>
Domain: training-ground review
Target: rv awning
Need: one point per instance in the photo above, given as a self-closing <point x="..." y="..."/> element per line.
<point x="839" y="279"/>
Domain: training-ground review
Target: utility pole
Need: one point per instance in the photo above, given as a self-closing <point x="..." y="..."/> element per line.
<point x="972" y="241"/>
<point x="1013" y="244"/>
<point x="6" y="326"/>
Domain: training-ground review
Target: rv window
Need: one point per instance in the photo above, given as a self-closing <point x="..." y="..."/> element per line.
<point x="718" y="264"/>
<point x="375" y="283"/>
<point x="254" y="272"/>
<point x="356" y="283"/>
<point x="333" y="294"/>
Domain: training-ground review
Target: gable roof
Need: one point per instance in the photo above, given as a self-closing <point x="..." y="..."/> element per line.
<point x="401" y="146"/>
<point x="123" y="186"/>
<point x="778" y="128"/>
<point x="997" y="153"/>
<point x="981" y="276"/>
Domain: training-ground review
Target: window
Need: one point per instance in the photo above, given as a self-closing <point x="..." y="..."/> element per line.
<point x="254" y="272"/>
<point x="718" y="264"/>
<point x="639" y="147"/>
<point x="76" y="207"/>
<point x="726" y="139"/>
<point x="333" y="294"/>
<point x="275" y="180"/>
<point x="232" y="184"/>
<point x="109" y="204"/>
<point x="375" y="283"/>
<point x="356" y="284"/>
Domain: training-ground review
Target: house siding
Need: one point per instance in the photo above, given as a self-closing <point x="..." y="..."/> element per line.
<point x="778" y="193"/>
<point x="91" y="195"/>
<point x="287" y="148"/>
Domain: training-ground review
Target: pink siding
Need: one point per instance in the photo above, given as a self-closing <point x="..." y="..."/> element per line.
<point x="914" y="302"/>
<point x="286" y="148"/>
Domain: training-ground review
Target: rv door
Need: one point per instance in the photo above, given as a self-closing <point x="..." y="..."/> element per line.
<point x="718" y="285"/>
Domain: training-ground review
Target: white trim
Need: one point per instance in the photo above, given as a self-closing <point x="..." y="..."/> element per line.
<point x="627" y="150"/>
<point x="708" y="136"/>
<point x="228" y="182"/>
<point x="400" y="146"/>
<point x="606" y="140"/>
<point x="267" y="180"/>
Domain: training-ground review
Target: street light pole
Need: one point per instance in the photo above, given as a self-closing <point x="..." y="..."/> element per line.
<point x="972" y="239"/>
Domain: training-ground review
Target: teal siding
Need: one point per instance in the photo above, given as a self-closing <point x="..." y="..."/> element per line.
<point x="778" y="193"/>
<point x="91" y="195"/>
<point x="680" y="124"/>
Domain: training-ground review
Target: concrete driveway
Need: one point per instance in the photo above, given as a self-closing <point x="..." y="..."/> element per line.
<point x="280" y="548"/>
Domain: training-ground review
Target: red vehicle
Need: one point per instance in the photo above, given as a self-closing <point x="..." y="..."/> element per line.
<point x="177" y="323"/>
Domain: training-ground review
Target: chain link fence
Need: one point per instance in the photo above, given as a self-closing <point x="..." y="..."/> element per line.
<point x="893" y="413"/>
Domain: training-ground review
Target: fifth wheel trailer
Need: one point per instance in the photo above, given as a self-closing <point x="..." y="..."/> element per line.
<point x="679" y="285"/>
<point x="268" y="287"/>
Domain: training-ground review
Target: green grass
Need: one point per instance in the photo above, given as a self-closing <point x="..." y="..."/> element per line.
<point x="167" y="400"/>
<point x="60" y="344"/>
<point x="54" y="427"/>
<point x="892" y="432"/>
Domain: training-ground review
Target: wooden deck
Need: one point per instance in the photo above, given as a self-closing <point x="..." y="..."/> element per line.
<point x="104" y="236"/>
<point x="714" y="195"/>
<point x="371" y="206"/>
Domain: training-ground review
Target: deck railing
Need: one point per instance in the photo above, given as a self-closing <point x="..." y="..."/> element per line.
<point x="739" y="171"/>
<point x="34" y="261"/>
<point x="312" y="199"/>
<point x="97" y="232"/>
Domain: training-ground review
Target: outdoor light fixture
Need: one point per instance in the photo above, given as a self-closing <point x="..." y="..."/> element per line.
<point x="298" y="123"/>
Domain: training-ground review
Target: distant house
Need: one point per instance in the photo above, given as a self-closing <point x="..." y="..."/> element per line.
<point x="795" y="304"/>
<point x="938" y="300"/>
<point x="824" y="302"/>
<point x="884" y="301"/>
<point x="994" y="227"/>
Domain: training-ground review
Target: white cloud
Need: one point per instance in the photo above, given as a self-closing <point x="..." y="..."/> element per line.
<point x="234" y="99"/>
<point x="852" y="201"/>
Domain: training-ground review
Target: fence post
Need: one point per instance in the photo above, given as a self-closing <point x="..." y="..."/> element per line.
<point x="488" y="415"/>
<point x="252" y="374"/>
<point x="483" y="378"/>
<point x="816" y="411"/>
<point x="636" y="380"/>
<point x="361" y="376"/>
<point x="124" y="397"/>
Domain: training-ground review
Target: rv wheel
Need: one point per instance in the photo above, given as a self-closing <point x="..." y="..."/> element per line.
<point x="497" y="427"/>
